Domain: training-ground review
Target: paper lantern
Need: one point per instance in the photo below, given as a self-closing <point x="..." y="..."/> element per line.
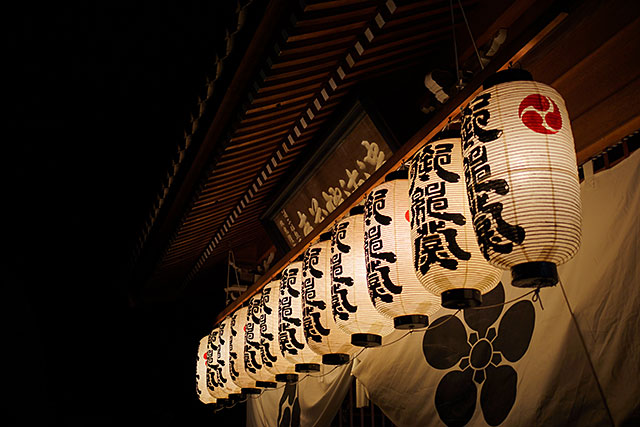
<point x="353" y="310"/>
<point x="236" y="353"/>
<point x="223" y="361"/>
<point x="214" y="385"/>
<point x="393" y="285"/>
<point x="522" y="177"/>
<point x="290" y="329"/>
<point x="321" y="332"/>
<point x="252" y="350"/>
<point x="272" y="360"/>
<point x="201" y="373"/>
<point x="446" y="256"/>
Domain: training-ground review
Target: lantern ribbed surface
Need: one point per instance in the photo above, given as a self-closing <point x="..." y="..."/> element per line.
<point x="522" y="176"/>
<point x="446" y="255"/>
<point x="223" y="360"/>
<point x="393" y="285"/>
<point x="252" y="349"/>
<point x="290" y="326"/>
<point x="213" y="369"/>
<point x="353" y="310"/>
<point x="201" y="373"/>
<point x="237" y="369"/>
<point x="272" y="360"/>
<point x="321" y="332"/>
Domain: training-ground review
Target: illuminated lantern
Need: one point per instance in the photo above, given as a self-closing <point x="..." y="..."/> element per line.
<point x="393" y="285"/>
<point x="213" y="369"/>
<point x="522" y="177"/>
<point x="223" y="360"/>
<point x="353" y="310"/>
<point x="272" y="360"/>
<point x="446" y="256"/>
<point x="236" y="353"/>
<point x="321" y="332"/>
<point x="201" y="373"/>
<point x="252" y="349"/>
<point x="290" y="329"/>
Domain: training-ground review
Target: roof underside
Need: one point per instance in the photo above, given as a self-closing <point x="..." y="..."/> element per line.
<point x="317" y="55"/>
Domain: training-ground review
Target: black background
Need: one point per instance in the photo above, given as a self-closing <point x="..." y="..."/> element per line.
<point x="99" y="94"/>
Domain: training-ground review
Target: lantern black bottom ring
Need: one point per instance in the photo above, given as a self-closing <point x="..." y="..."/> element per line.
<point x="335" y="359"/>
<point x="266" y="384"/>
<point x="534" y="275"/>
<point x="366" y="340"/>
<point x="461" y="298"/>
<point x="411" y="321"/>
<point x="250" y="390"/>
<point x="287" y="378"/>
<point x="307" y="367"/>
<point x="238" y="397"/>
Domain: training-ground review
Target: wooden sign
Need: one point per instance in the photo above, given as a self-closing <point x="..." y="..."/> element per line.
<point x="356" y="148"/>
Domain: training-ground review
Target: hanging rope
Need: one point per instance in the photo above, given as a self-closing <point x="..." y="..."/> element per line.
<point x="586" y="352"/>
<point x="537" y="298"/>
<point x="455" y="45"/>
<point x="473" y="41"/>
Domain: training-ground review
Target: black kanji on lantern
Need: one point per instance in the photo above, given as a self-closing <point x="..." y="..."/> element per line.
<point x="212" y="368"/>
<point x="433" y="157"/>
<point x="381" y="287"/>
<point x="374" y="203"/>
<point x="266" y="338"/>
<point x="233" y="354"/>
<point x="339" y="234"/>
<point x="340" y="305"/>
<point x="313" y="328"/>
<point x="220" y="362"/>
<point x="287" y="321"/>
<point x="434" y="242"/>
<point x="252" y="361"/>
<point x="492" y="231"/>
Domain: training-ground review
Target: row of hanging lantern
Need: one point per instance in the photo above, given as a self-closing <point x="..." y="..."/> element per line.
<point x="502" y="193"/>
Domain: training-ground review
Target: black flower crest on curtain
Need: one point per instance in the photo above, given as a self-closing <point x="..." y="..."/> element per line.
<point x="478" y="360"/>
<point x="289" y="407"/>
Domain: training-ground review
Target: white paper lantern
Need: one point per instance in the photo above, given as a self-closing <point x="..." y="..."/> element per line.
<point x="321" y="332"/>
<point x="236" y="353"/>
<point x="252" y="349"/>
<point x="353" y="310"/>
<point x="223" y="360"/>
<point x="272" y="360"/>
<point x="213" y="368"/>
<point x="393" y="285"/>
<point x="522" y="177"/>
<point x="201" y="373"/>
<point x="446" y="256"/>
<point x="291" y="338"/>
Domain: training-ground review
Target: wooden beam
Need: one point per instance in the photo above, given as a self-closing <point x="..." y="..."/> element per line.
<point x="543" y="24"/>
<point x="274" y="14"/>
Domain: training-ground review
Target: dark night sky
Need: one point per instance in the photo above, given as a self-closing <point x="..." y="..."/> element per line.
<point x="99" y="95"/>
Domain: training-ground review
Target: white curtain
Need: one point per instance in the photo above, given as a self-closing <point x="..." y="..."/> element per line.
<point x="313" y="402"/>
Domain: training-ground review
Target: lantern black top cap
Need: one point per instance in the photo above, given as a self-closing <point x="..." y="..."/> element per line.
<point x="325" y="236"/>
<point x="506" y="76"/>
<point x="356" y="210"/>
<point x="399" y="174"/>
<point x="446" y="134"/>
